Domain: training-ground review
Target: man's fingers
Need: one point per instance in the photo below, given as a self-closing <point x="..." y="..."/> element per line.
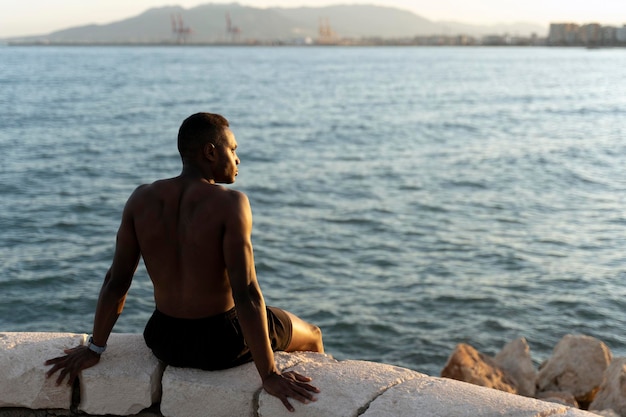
<point x="310" y="387"/>
<point x="61" y="376"/>
<point x="290" y="385"/>
<point x="302" y="380"/>
<point x="299" y="377"/>
<point x="302" y="394"/>
<point x="54" y="360"/>
<point x="59" y="363"/>
<point x="71" y="379"/>
<point x="70" y="374"/>
<point x="52" y="371"/>
<point x="287" y="404"/>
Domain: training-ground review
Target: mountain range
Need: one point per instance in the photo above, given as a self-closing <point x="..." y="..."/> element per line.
<point x="228" y="22"/>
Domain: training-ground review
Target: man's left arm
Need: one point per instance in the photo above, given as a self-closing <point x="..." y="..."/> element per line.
<point x="251" y="308"/>
<point x="110" y="302"/>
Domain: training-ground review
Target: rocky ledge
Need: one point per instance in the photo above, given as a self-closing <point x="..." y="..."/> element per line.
<point x="581" y="373"/>
<point x="129" y="380"/>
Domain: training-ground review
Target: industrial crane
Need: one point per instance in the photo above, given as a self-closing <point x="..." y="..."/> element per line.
<point x="179" y="29"/>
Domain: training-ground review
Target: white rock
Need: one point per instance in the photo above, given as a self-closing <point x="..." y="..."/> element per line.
<point x="23" y="382"/>
<point x="577" y="366"/>
<point x="605" y="413"/>
<point x="515" y="360"/>
<point x="227" y="393"/>
<point x="612" y="393"/>
<point x="125" y="381"/>
<point x="560" y="397"/>
<point x="192" y="392"/>
<point x="346" y="388"/>
<point x="442" y="397"/>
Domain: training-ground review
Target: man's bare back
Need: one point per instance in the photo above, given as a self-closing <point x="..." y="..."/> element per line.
<point x="195" y="239"/>
<point x="180" y="224"/>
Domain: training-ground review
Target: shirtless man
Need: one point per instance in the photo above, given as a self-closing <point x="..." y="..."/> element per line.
<point x="195" y="239"/>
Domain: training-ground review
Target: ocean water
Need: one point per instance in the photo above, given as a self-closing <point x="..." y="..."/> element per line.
<point x="404" y="199"/>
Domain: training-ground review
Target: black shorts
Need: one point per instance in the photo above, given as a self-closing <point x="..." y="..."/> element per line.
<point x="210" y="343"/>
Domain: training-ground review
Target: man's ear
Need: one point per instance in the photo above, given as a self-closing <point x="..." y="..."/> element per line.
<point x="209" y="151"/>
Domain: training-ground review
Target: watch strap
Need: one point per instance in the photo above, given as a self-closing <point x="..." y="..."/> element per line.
<point x="95" y="348"/>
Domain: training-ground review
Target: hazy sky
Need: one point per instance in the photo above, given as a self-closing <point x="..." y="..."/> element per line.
<point x="35" y="17"/>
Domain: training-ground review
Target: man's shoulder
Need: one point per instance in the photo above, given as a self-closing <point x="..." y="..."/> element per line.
<point x="144" y="193"/>
<point x="142" y="190"/>
<point x="234" y="197"/>
<point x="158" y="186"/>
<point x="200" y="193"/>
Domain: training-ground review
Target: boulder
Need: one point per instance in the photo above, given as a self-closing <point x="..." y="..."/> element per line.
<point x="516" y="362"/>
<point x="346" y="388"/>
<point x="468" y="365"/>
<point x="612" y="392"/>
<point x="23" y="382"/>
<point x="125" y="381"/>
<point x="577" y="366"/>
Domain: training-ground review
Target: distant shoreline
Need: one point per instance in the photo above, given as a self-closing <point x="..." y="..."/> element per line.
<point x="240" y="44"/>
<point x="283" y="44"/>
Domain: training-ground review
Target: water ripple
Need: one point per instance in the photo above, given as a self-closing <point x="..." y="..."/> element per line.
<point x="407" y="198"/>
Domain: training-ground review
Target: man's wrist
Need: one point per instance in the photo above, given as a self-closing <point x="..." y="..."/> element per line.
<point x="270" y="374"/>
<point x="95" y="348"/>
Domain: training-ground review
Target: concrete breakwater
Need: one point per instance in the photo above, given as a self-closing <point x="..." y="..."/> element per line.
<point x="129" y="380"/>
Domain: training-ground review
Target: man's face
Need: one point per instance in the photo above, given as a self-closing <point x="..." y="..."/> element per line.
<point x="227" y="159"/>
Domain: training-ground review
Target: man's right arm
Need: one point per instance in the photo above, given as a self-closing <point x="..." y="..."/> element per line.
<point x="110" y="302"/>
<point x="250" y="304"/>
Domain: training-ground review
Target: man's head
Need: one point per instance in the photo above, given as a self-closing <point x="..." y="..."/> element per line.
<point x="206" y="137"/>
<point x="199" y="129"/>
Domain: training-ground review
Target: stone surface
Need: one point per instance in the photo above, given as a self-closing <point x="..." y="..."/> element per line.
<point x="23" y="382"/>
<point x="232" y="392"/>
<point x="191" y="392"/>
<point x="577" y="366"/>
<point x="612" y="393"/>
<point x="125" y="381"/>
<point x="515" y="361"/>
<point x="346" y="387"/>
<point x="468" y="365"/>
<point x="27" y="412"/>
<point x="560" y="397"/>
<point x="605" y="413"/>
<point x="439" y="397"/>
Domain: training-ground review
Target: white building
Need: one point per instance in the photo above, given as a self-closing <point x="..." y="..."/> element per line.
<point x="620" y="34"/>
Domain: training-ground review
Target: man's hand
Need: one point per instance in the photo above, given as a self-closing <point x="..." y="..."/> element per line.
<point x="290" y="384"/>
<point x="75" y="360"/>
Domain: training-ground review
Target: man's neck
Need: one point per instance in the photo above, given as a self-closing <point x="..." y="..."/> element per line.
<point x="193" y="172"/>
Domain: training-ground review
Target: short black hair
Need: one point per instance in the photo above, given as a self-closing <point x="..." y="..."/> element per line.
<point x="198" y="130"/>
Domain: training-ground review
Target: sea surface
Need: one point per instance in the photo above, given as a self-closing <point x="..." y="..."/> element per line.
<point x="405" y="199"/>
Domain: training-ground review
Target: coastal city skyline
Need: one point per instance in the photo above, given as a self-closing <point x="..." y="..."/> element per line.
<point x="35" y="17"/>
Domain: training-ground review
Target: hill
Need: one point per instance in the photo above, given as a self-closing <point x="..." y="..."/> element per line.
<point x="208" y="23"/>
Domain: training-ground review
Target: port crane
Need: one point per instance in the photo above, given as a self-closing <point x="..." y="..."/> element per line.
<point x="326" y="33"/>
<point x="232" y="31"/>
<point x="179" y="29"/>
